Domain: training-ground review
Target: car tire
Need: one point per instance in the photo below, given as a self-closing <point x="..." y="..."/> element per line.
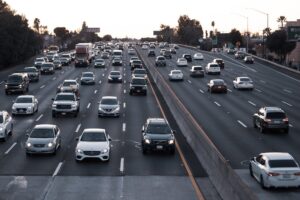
<point x="250" y="170"/>
<point x="5" y="136"/>
<point x="262" y="129"/>
<point x="144" y="151"/>
<point x="28" y="154"/>
<point x="262" y="182"/>
<point x="172" y="151"/>
<point x="11" y="129"/>
<point x="254" y="123"/>
<point x="54" y="152"/>
<point x="286" y="131"/>
<point x="53" y="114"/>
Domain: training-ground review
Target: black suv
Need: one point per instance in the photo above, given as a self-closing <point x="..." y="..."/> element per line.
<point x="188" y="57"/>
<point x="157" y="135"/>
<point x="167" y="54"/>
<point x="17" y="82"/>
<point x="136" y="64"/>
<point x="138" y="85"/>
<point x="151" y="53"/>
<point x="160" y="61"/>
<point x="271" y="118"/>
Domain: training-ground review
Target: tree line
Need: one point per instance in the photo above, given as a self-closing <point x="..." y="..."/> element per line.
<point x="18" y="41"/>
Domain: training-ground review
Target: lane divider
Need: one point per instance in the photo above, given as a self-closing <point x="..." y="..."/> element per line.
<point x="78" y="127"/>
<point x="57" y="169"/>
<point x="39" y="117"/>
<point x="241" y="123"/>
<point x="10" y="148"/>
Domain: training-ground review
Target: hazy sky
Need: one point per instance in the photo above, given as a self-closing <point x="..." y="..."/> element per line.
<point x="138" y="18"/>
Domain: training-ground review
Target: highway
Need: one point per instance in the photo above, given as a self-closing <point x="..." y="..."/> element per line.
<point x="125" y="176"/>
<point x="227" y="118"/>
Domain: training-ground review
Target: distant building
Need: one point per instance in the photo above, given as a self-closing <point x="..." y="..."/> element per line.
<point x="293" y="29"/>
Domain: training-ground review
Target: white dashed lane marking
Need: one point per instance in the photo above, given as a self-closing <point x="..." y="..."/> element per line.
<point x="57" y="169"/>
<point x="43" y="86"/>
<point x="124" y="127"/>
<point x="253" y="104"/>
<point x="88" y="106"/>
<point x="258" y="90"/>
<point x="288" y="91"/>
<point x="217" y="104"/>
<point x="10" y="148"/>
<point x="286" y="103"/>
<point x="122" y="165"/>
<point x="201" y="91"/>
<point x="78" y="128"/>
<point x="95" y="92"/>
<point x="39" y="118"/>
<point x="241" y="123"/>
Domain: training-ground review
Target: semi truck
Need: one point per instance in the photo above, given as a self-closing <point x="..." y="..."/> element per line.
<point x="83" y="54"/>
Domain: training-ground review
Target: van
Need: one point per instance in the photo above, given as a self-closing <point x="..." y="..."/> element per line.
<point x="117" y="53"/>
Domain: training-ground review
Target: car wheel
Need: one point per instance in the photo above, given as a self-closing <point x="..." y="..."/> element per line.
<point x="172" y="151"/>
<point x="262" y="183"/>
<point x="286" y="131"/>
<point x="144" y="151"/>
<point x="6" y="92"/>
<point x="5" y="136"/>
<point x="262" y="129"/>
<point x="75" y="114"/>
<point x="250" y="170"/>
<point x="254" y="123"/>
<point x="11" y="129"/>
<point x="53" y="114"/>
<point x="28" y="154"/>
<point x="54" y="152"/>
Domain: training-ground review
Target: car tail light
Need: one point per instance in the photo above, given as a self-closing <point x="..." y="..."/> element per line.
<point x="273" y="174"/>
<point x="297" y="174"/>
<point x="286" y="120"/>
<point x="268" y="120"/>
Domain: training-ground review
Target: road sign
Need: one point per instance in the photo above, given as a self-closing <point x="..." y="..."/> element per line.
<point x="156" y="32"/>
<point x="93" y="30"/>
<point x="293" y="32"/>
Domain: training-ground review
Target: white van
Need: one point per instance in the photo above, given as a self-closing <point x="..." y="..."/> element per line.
<point x="117" y="53"/>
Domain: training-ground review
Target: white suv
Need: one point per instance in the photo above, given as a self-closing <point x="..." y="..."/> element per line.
<point x="212" y="68"/>
<point x="6" y="125"/>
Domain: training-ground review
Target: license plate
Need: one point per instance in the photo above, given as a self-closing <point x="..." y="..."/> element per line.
<point x="63" y="113"/>
<point x="138" y="90"/>
<point x="287" y="176"/>
<point x="219" y="87"/>
<point x="159" y="147"/>
<point x="276" y="122"/>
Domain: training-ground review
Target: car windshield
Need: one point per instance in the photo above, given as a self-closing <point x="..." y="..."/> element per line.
<point x="87" y="75"/>
<point x="47" y="65"/>
<point x="109" y="101"/>
<point x="93" y="137"/>
<point x="68" y="83"/>
<point x="197" y="68"/>
<point x="42" y="133"/>
<point x="181" y="60"/>
<point x="158" y="129"/>
<point x="275" y="115"/>
<point x="245" y="79"/>
<point x="99" y="60"/>
<point x="14" y="79"/>
<point x="282" y="163"/>
<point x="65" y="97"/>
<point x="30" y="69"/>
<point x="115" y="73"/>
<point x="140" y="71"/>
<point x="160" y="58"/>
<point x="24" y="100"/>
<point x="198" y="54"/>
<point x="138" y="81"/>
<point x="137" y="62"/>
<point x="176" y="72"/>
<point x="39" y="60"/>
<point x="218" y="82"/>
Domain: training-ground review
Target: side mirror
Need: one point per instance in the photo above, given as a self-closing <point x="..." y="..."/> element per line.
<point x="27" y="135"/>
<point x="109" y="138"/>
<point x="77" y="138"/>
<point x="173" y="131"/>
<point x="78" y="98"/>
<point x="52" y="99"/>
<point x="143" y="129"/>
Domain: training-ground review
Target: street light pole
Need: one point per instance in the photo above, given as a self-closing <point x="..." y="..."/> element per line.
<point x="247" y="39"/>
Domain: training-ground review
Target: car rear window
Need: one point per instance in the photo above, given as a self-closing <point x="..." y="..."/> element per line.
<point x="282" y="163"/>
<point x="197" y="68"/>
<point x="275" y="115"/>
<point x="138" y="81"/>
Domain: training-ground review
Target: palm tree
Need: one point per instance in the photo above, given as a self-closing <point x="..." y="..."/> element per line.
<point x="213" y="24"/>
<point x="36" y="24"/>
<point x="281" y="20"/>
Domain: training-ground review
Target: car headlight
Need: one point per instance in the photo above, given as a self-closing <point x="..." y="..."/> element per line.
<point x="109" y="78"/>
<point x="6" y="86"/>
<point x="73" y="105"/>
<point x="28" y="144"/>
<point x="1" y="128"/>
<point x="171" y="141"/>
<point x="100" y="108"/>
<point x="50" y="144"/>
<point x="20" y="86"/>
<point x="29" y="108"/>
<point x="53" y="105"/>
<point x="117" y="108"/>
<point x="79" y="151"/>
<point x="104" y="150"/>
<point x="144" y="87"/>
<point x="147" y="141"/>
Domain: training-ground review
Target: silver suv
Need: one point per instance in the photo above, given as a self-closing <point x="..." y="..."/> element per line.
<point x="65" y="103"/>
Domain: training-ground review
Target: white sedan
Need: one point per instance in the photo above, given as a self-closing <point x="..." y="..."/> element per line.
<point x="25" y="104"/>
<point x="6" y="125"/>
<point x="93" y="143"/>
<point x="182" y="62"/>
<point x="176" y="75"/>
<point x="275" y="169"/>
<point x="198" y="56"/>
<point x="243" y="83"/>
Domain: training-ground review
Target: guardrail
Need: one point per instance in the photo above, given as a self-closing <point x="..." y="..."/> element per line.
<point x="225" y="179"/>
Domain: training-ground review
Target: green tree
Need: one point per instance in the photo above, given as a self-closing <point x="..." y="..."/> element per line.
<point x="167" y="33"/>
<point x="36" y="24"/>
<point x="236" y="38"/>
<point x="107" y="38"/>
<point x="277" y="42"/>
<point x="281" y="20"/>
<point x="189" y="30"/>
<point x="213" y="25"/>
<point x="62" y="33"/>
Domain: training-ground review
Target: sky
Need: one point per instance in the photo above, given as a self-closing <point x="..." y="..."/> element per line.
<point x="139" y="18"/>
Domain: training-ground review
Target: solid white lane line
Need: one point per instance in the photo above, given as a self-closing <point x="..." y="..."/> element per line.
<point x="122" y="165"/>
<point x="241" y="123"/>
<point x="78" y="127"/>
<point x="201" y="91"/>
<point x="10" y="148"/>
<point x="217" y="104"/>
<point x="257" y="90"/>
<point x="290" y="125"/>
<point x="253" y="104"/>
<point x="288" y="91"/>
<point x="124" y="127"/>
<point x="190" y="82"/>
<point x="286" y="103"/>
<point x="124" y="91"/>
<point x="229" y="90"/>
<point x="57" y="169"/>
<point x="262" y="81"/>
<point x="95" y="92"/>
<point x="42" y="86"/>
<point x="124" y="105"/>
<point x="39" y="118"/>
<point x="88" y="106"/>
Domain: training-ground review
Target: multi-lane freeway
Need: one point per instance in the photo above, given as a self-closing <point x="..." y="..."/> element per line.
<point x="225" y="118"/>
